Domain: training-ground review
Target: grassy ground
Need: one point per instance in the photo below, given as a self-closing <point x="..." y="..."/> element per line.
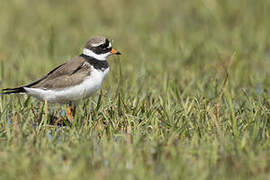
<point x="188" y="99"/>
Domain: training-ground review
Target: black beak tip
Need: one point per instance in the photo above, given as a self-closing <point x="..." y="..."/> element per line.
<point x="118" y="53"/>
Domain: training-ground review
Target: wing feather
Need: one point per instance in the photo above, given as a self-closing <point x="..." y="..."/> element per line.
<point x="66" y="74"/>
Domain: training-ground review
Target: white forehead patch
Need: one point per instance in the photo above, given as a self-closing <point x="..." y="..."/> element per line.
<point x="110" y="45"/>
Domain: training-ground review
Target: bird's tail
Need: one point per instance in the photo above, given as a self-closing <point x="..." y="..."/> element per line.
<point x="13" y="90"/>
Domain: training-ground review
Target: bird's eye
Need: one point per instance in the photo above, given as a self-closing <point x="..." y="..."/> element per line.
<point x="106" y="46"/>
<point x="103" y="46"/>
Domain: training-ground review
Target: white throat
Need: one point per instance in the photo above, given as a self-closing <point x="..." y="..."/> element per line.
<point x="101" y="57"/>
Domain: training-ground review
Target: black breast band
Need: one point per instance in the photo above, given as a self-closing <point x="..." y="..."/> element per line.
<point x="100" y="65"/>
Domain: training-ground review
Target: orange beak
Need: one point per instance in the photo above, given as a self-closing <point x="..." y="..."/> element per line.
<point x="113" y="51"/>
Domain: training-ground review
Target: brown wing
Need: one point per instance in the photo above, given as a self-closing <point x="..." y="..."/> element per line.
<point x="68" y="74"/>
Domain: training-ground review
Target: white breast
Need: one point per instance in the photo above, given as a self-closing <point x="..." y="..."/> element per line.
<point x="87" y="88"/>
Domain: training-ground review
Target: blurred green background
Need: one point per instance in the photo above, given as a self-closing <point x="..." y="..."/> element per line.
<point x="188" y="98"/>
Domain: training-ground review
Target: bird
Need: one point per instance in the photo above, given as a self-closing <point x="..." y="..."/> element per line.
<point x="76" y="79"/>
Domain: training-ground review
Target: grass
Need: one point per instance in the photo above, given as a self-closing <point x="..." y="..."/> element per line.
<point x="188" y="99"/>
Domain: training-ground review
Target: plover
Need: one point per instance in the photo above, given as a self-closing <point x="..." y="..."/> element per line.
<point x="74" y="80"/>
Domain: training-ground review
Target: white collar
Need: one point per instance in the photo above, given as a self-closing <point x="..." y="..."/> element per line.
<point x="101" y="57"/>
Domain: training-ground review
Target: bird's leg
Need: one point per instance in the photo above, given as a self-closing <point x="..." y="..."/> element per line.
<point x="69" y="114"/>
<point x="71" y="110"/>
